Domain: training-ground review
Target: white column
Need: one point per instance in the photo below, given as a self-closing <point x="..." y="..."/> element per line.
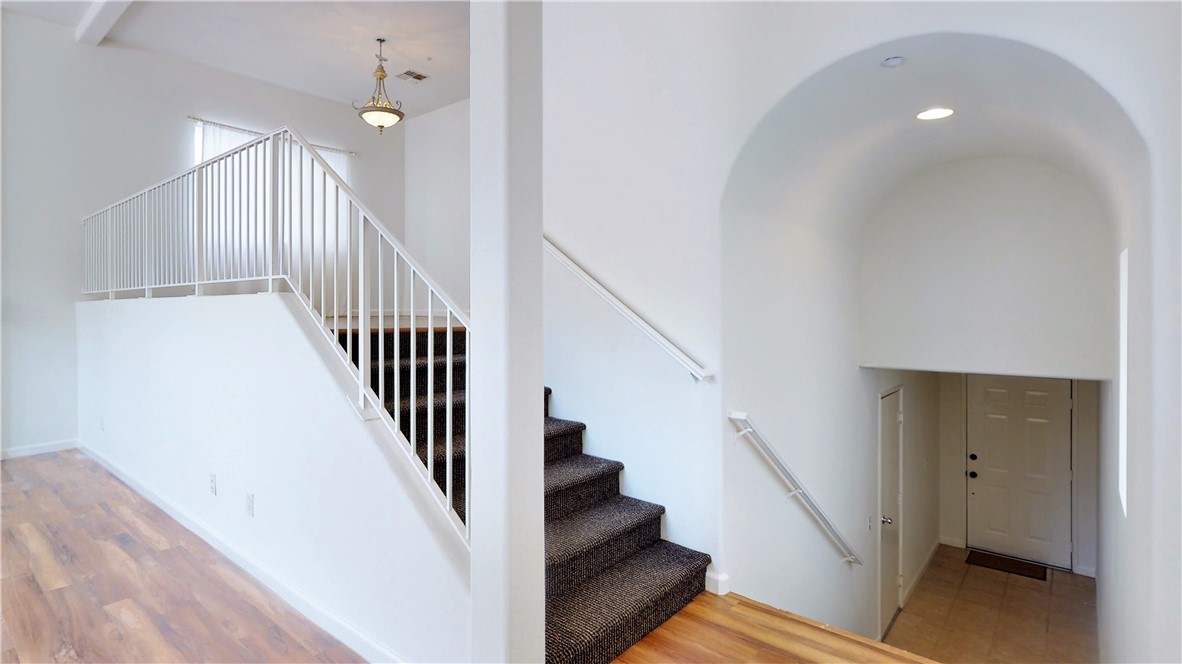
<point x="505" y="394"/>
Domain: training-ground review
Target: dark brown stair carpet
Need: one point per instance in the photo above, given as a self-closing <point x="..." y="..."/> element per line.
<point x="348" y="340"/>
<point x="578" y="482"/>
<point x="585" y="542"/>
<point x="611" y="611"/>
<point x="437" y="403"/>
<point x="610" y="578"/>
<point x="400" y="370"/>
<point x="564" y="438"/>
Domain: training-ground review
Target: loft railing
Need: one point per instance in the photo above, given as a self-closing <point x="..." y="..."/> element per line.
<point x="273" y="213"/>
<point x="795" y="488"/>
<point x="696" y="370"/>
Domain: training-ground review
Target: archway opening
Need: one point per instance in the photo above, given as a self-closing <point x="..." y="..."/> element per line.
<point x="864" y="248"/>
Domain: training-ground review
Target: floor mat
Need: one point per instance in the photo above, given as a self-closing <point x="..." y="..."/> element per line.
<point x="1011" y="565"/>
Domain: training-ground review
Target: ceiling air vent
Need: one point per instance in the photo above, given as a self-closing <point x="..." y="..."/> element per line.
<point x="411" y="75"/>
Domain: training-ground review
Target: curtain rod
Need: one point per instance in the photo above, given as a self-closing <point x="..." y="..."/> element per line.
<point x="322" y="148"/>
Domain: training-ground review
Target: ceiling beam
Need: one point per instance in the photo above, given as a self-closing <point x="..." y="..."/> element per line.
<point x="100" y="17"/>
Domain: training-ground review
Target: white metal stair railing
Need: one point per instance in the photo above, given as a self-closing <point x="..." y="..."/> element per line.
<point x="273" y="213"/>
<point x="795" y="488"/>
<point x="696" y="370"/>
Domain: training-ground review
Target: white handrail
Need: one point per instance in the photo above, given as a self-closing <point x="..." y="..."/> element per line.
<point x="696" y="370"/>
<point x="796" y="489"/>
<point x="273" y="211"/>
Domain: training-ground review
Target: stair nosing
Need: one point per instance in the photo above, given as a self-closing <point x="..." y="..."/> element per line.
<point x="601" y="468"/>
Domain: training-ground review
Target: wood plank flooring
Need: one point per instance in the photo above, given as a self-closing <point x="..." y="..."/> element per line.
<point x="93" y="572"/>
<point x="732" y="628"/>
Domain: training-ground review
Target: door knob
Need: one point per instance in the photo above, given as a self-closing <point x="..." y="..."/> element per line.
<point x="973" y="474"/>
<point x="887" y="520"/>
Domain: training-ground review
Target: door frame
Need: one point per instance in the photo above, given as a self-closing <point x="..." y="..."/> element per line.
<point x="876" y="522"/>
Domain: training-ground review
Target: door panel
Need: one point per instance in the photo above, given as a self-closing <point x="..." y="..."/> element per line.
<point x="890" y="441"/>
<point x="1019" y="503"/>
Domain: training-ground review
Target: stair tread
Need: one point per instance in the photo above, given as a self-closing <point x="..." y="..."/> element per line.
<point x="554" y="426"/>
<point x="573" y="470"/>
<point x="577" y="533"/>
<point x="617" y="596"/>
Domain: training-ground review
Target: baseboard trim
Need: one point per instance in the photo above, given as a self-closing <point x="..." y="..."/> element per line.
<point x="952" y="541"/>
<point x="718" y="583"/>
<point x="39" y="448"/>
<point x="363" y="644"/>
<point x="922" y="570"/>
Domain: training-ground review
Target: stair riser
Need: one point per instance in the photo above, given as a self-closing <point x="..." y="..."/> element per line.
<point x="563" y="446"/>
<point x="581" y="496"/>
<point x="458" y="376"/>
<point x="570" y="573"/>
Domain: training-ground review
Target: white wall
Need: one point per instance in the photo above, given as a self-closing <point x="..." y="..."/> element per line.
<point x="437" y="200"/>
<point x="640" y="139"/>
<point x="174" y="389"/>
<point x="133" y="134"/>
<point x="641" y="408"/>
<point x="1085" y="478"/>
<point x="820" y="412"/>
<point x="1000" y="265"/>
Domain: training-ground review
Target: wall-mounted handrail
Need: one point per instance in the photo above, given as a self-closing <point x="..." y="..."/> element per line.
<point x="696" y="370"/>
<point x="272" y="211"/>
<point x="796" y="489"/>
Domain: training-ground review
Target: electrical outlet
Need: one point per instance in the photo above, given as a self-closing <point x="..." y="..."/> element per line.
<point x="250" y="504"/>
<point x="213" y="484"/>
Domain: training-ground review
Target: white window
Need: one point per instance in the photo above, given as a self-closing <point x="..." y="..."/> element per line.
<point x="1122" y="418"/>
<point x="212" y="138"/>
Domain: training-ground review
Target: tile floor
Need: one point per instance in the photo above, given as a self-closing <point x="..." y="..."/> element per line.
<point x="966" y="613"/>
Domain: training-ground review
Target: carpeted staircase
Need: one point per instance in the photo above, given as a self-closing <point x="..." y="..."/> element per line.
<point x="610" y="578"/>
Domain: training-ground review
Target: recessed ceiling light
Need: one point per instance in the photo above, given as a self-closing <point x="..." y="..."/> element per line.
<point x="893" y="61"/>
<point x="935" y="114"/>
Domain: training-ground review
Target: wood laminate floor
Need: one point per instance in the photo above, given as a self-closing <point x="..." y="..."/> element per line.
<point x="732" y="628"/>
<point x="93" y="572"/>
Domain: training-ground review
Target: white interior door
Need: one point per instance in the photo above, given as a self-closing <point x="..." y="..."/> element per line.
<point x="890" y="413"/>
<point x="1019" y="467"/>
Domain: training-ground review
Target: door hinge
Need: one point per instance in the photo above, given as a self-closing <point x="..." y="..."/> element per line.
<point x="900" y="417"/>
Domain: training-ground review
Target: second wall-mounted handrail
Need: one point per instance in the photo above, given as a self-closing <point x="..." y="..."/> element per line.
<point x="796" y="489"/>
<point x="696" y="370"/>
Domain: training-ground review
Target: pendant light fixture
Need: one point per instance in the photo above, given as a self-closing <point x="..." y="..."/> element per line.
<point x="379" y="111"/>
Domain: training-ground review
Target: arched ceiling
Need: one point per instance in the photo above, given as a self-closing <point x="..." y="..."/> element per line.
<point x="835" y="145"/>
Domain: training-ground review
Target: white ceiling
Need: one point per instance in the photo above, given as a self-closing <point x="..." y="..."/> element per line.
<point x="321" y="48"/>
<point x="850" y="135"/>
